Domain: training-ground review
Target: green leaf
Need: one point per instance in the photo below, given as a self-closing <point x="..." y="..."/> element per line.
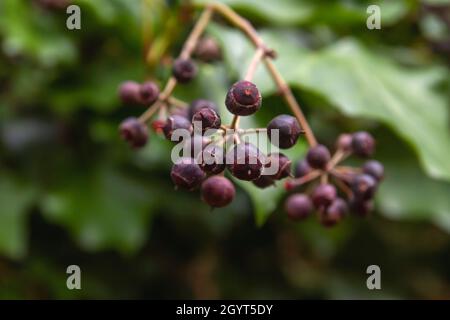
<point x="297" y="12"/>
<point x="26" y="31"/>
<point x="407" y="193"/>
<point x="103" y="209"/>
<point x="361" y="83"/>
<point x="16" y="198"/>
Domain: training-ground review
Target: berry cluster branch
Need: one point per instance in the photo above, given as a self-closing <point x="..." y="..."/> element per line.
<point x="267" y="57"/>
<point x="206" y="154"/>
<point x="263" y="53"/>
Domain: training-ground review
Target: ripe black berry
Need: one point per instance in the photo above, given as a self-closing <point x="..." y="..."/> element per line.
<point x="134" y="132"/>
<point x="186" y="174"/>
<point x="217" y="191"/>
<point x="363" y="144"/>
<point x="323" y="195"/>
<point x="208" y="50"/>
<point x="298" y="206"/>
<point x="364" y="186"/>
<point x="344" y="142"/>
<point x="334" y="212"/>
<point x="263" y="182"/>
<point x="318" y="157"/>
<point x="245" y="161"/>
<point x="212" y="159"/>
<point x="375" y="169"/>
<point x="183" y="112"/>
<point x="195" y="145"/>
<point x="243" y="98"/>
<point x="360" y="207"/>
<point x="208" y="118"/>
<point x="148" y="92"/>
<point x="184" y="70"/>
<point x="288" y="131"/>
<point x="175" y="122"/>
<point x="199" y="104"/>
<point x="302" y="168"/>
<point x="281" y="162"/>
<point x="129" y="92"/>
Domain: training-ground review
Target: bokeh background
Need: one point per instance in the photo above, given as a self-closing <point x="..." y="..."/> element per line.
<point x="71" y="192"/>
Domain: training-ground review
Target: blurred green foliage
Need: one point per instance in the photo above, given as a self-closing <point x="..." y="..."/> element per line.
<point x="72" y="193"/>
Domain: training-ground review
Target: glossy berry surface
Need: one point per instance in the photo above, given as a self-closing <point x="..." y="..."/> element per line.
<point x="208" y="50"/>
<point x="245" y="161"/>
<point x="217" y="191"/>
<point x="243" y="98"/>
<point x="323" y="195"/>
<point x="199" y="104"/>
<point x="184" y="70"/>
<point x="194" y="145"/>
<point x="134" y="132"/>
<point x="281" y="163"/>
<point x="344" y="142"/>
<point x="318" y="157"/>
<point x="361" y="207"/>
<point x="374" y="168"/>
<point x="302" y="168"/>
<point x="207" y="118"/>
<point x="212" y="159"/>
<point x="364" y="186"/>
<point x="263" y="181"/>
<point x="186" y="174"/>
<point x="288" y="131"/>
<point x="176" y="122"/>
<point x="148" y="92"/>
<point x="334" y="212"/>
<point x="298" y="206"/>
<point x="363" y="144"/>
<point x="129" y="92"/>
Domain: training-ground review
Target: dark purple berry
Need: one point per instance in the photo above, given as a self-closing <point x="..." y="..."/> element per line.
<point x="318" y="157"/>
<point x="298" y="206"/>
<point x="364" y="186"/>
<point x="212" y="159"/>
<point x="243" y="98"/>
<point x="208" y="118"/>
<point x="302" y="168"/>
<point x="182" y="112"/>
<point x="129" y="92"/>
<point x="263" y="182"/>
<point x="344" y="142"/>
<point x="195" y="145"/>
<point x="334" y="212"/>
<point x="281" y="163"/>
<point x="148" y="92"/>
<point x="323" y="195"/>
<point x="217" y="191"/>
<point x="184" y="70"/>
<point x="375" y="169"/>
<point x="134" y="132"/>
<point x="175" y="122"/>
<point x="363" y="144"/>
<point x="199" y="104"/>
<point x="360" y="207"/>
<point x="186" y="174"/>
<point x="208" y="50"/>
<point x="288" y="131"/>
<point x="245" y="161"/>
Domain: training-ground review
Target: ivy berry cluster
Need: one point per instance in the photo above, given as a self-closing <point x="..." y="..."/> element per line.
<point x="358" y="185"/>
<point x="218" y="147"/>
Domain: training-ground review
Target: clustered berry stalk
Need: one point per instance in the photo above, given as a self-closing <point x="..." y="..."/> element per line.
<point x="244" y="99"/>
